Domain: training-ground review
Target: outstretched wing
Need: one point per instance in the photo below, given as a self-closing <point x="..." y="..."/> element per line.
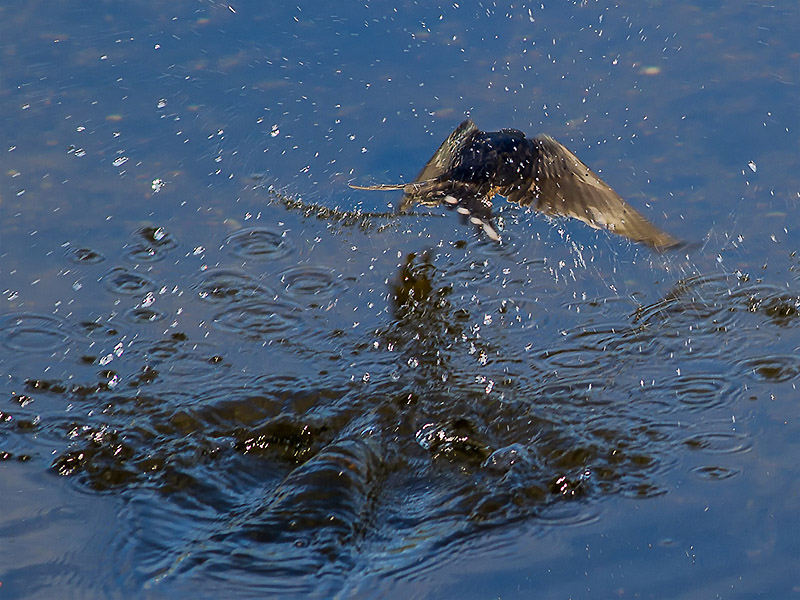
<point x="444" y="158"/>
<point x="442" y="161"/>
<point x="563" y="185"/>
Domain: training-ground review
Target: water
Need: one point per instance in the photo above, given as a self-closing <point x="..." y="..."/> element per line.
<point x="224" y="370"/>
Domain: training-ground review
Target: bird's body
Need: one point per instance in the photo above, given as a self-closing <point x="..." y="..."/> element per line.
<point x="472" y="166"/>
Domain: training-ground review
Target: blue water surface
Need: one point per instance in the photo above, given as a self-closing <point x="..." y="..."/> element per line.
<point x="227" y="374"/>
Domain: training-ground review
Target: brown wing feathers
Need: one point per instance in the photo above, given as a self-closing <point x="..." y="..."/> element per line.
<point x="558" y="183"/>
<point x="565" y="186"/>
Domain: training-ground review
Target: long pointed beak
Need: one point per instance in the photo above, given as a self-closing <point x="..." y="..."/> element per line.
<point x="381" y="186"/>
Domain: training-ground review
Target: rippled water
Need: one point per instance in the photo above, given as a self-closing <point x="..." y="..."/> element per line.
<point x="225" y="371"/>
<point x="284" y="427"/>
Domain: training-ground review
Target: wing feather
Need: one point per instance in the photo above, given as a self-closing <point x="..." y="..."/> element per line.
<point x="442" y="161"/>
<point x="565" y="186"/>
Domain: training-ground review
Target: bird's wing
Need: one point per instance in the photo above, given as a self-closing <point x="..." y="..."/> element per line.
<point x="444" y="158"/>
<point x="565" y="186"/>
<point x="442" y="161"/>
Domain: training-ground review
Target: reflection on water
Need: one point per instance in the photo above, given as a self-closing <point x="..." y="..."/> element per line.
<point x="443" y="416"/>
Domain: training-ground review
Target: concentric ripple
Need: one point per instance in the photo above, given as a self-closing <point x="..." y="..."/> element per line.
<point x="85" y="256"/>
<point x="714" y="472"/>
<point x="719" y="442"/>
<point x="306" y="280"/>
<point x="229" y="285"/>
<point x="143" y="315"/>
<point x="126" y="281"/>
<point x="260" y="320"/>
<point x="776" y="368"/>
<point x="259" y="243"/>
<point x="154" y="243"/>
<point x="700" y="390"/>
<point x="28" y="332"/>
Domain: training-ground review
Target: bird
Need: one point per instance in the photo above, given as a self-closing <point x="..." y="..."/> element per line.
<point x="472" y="166"/>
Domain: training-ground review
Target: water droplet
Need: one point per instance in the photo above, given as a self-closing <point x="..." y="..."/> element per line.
<point x="148" y="300"/>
